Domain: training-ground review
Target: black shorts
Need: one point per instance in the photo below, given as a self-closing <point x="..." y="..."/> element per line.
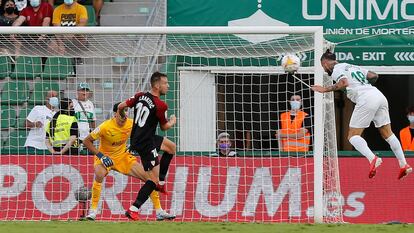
<point x="148" y="152"/>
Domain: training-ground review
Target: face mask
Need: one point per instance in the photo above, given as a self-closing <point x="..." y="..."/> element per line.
<point x="54" y="102"/>
<point x="411" y="118"/>
<point x="68" y="2"/>
<point x="9" y="10"/>
<point x="295" y="105"/>
<point x="224" y="146"/>
<point x="35" y="3"/>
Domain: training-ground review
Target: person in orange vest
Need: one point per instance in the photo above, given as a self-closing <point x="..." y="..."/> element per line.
<point x="293" y="136"/>
<point x="407" y="134"/>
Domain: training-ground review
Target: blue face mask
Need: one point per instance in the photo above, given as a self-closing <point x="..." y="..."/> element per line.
<point x="34" y="3"/>
<point x="295" y="105"/>
<point x="410" y="118"/>
<point x="224" y="146"/>
<point x="68" y="2"/>
<point x="54" y="102"/>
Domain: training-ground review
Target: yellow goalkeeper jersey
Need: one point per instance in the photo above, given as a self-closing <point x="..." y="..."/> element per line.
<point x="113" y="139"/>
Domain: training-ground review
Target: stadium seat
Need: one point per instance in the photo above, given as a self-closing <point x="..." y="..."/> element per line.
<point x="23" y="113"/>
<point x="14" y="92"/>
<point x="39" y="91"/>
<point x="58" y="68"/>
<point x="15" y="140"/>
<point x="8" y="118"/>
<point x="5" y="67"/>
<point x="27" y="68"/>
<point x="91" y="16"/>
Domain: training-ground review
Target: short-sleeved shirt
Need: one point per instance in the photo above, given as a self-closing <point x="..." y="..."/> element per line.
<point x="36" y="18"/>
<point x="36" y="136"/>
<point x="148" y="111"/>
<point x="113" y="138"/>
<point x="84" y="117"/>
<point x="69" y="17"/>
<point x="357" y="79"/>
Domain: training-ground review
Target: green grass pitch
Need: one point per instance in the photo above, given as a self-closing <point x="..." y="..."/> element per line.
<point x="196" y="227"/>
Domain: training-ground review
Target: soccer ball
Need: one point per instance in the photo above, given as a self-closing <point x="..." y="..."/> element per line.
<point x="290" y="63"/>
<point x="83" y="194"/>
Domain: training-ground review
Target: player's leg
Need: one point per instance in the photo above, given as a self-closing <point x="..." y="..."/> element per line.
<point x="169" y="149"/>
<point x="149" y="161"/>
<point x="392" y="140"/>
<point x="100" y="173"/>
<point x="361" y="118"/>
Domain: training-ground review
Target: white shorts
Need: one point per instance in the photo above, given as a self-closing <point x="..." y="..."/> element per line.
<point x="370" y="106"/>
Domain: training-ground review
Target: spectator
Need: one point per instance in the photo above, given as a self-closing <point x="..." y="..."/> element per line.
<point x="62" y="131"/>
<point x="37" y="13"/>
<point x="293" y="136"/>
<point x="21" y="4"/>
<point x="97" y="6"/>
<point x="70" y="13"/>
<point x="84" y="111"/>
<point x="36" y="121"/>
<point x="9" y="14"/>
<point x="224" y="146"/>
<point x="407" y="134"/>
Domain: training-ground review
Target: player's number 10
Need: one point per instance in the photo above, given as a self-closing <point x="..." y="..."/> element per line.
<point x="141" y="115"/>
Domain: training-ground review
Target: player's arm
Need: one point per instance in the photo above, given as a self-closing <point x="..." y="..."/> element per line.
<point x="340" y="85"/>
<point x="88" y="143"/>
<point x="372" y="77"/>
<point x="169" y="124"/>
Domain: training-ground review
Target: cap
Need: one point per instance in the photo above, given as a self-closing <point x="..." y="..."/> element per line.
<point x="84" y="86"/>
<point x="223" y="135"/>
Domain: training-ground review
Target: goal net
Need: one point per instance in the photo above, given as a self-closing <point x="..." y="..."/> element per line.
<point x="229" y="93"/>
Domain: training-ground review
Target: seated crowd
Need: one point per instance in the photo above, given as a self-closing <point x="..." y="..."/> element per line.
<point x="41" y="12"/>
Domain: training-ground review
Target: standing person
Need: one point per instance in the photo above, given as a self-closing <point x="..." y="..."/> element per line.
<point x="224" y="146"/>
<point x="62" y="130"/>
<point x="407" y="134"/>
<point x="112" y="154"/>
<point x="293" y="135"/>
<point x="36" y="121"/>
<point x="9" y="14"/>
<point x="371" y="105"/>
<point x="84" y="111"/>
<point x="149" y="109"/>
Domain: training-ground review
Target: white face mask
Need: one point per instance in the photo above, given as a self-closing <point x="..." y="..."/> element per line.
<point x="68" y="2"/>
<point x="410" y="118"/>
<point x="54" y="102"/>
<point x="294" y="104"/>
<point x="35" y="3"/>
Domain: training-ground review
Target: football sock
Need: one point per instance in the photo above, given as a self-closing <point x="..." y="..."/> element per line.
<point x="155" y="198"/>
<point x="96" y="194"/>
<point x="164" y="164"/>
<point x="361" y="145"/>
<point x="396" y="148"/>
<point x="144" y="193"/>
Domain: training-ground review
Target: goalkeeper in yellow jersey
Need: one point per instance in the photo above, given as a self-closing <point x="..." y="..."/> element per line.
<point x="113" y="155"/>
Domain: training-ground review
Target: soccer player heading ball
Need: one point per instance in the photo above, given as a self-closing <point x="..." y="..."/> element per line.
<point x="149" y="109"/>
<point x="371" y="105"/>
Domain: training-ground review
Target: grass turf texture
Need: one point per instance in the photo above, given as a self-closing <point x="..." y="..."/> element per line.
<point x="202" y="227"/>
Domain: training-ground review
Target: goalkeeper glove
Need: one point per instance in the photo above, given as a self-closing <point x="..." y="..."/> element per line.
<point x="106" y="161"/>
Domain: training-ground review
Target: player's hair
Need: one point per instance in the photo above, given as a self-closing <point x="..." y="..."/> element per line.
<point x="115" y="108"/>
<point x="156" y="77"/>
<point x="409" y="109"/>
<point x="328" y="55"/>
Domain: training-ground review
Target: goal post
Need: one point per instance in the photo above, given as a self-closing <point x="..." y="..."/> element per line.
<point x="222" y="79"/>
